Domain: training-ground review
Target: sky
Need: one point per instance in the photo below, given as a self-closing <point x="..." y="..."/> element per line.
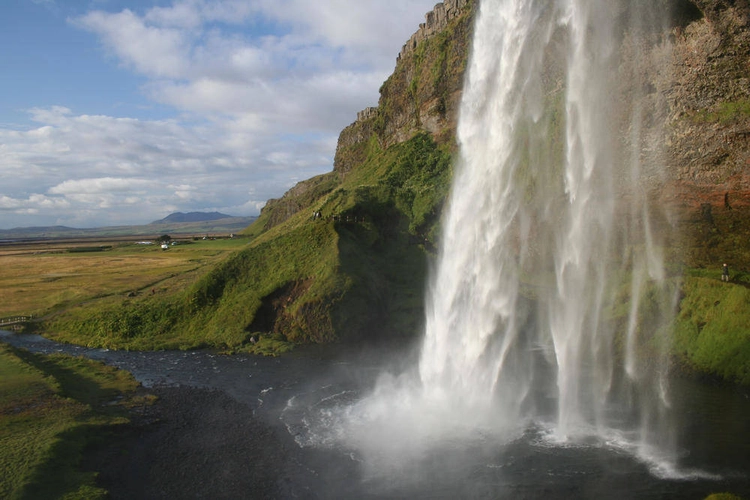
<point x="120" y="112"/>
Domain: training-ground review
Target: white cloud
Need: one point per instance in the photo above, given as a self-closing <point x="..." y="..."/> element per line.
<point x="8" y="203"/>
<point x="104" y="185"/>
<point x="321" y="58"/>
<point x="155" y="51"/>
<point x="260" y="92"/>
<point x="98" y="170"/>
<point x="181" y="15"/>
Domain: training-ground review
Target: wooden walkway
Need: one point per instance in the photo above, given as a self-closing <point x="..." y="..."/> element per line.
<point x="15" y="320"/>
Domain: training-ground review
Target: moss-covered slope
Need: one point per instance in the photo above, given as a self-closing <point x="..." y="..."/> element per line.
<point x="351" y="265"/>
<point x="340" y="256"/>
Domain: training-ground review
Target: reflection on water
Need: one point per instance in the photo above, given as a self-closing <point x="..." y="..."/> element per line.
<point x="302" y="396"/>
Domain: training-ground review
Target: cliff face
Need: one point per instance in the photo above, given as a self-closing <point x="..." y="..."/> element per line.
<point x="716" y="11"/>
<point x="709" y="104"/>
<point x="696" y="73"/>
<point x="392" y="165"/>
<point x="422" y="95"/>
<point x="424" y="91"/>
<point x="708" y="140"/>
<point x="435" y="22"/>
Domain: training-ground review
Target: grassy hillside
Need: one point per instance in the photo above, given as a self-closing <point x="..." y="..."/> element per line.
<point x="712" y="329"/>
<point x="50" y="408"/>
<point x="355" y="271"/>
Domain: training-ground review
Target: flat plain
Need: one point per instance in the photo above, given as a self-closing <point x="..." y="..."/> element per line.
<point x="43" y="277"/>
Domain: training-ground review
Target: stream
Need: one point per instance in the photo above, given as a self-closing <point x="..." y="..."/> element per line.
<point x="294" y="394"/>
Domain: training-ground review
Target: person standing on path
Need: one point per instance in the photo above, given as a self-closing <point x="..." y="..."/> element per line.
<point x="725" y="273"/>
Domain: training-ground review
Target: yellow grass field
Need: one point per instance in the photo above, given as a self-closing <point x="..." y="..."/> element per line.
<point x="40" y="278"/>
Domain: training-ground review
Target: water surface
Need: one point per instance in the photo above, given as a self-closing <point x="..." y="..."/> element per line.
<point x="299" y="394"/>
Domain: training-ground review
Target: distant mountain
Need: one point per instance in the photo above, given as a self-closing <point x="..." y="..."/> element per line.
<point x="194" y="223"/>
<point x="179" y="217"/>
<point x="40" y="229"/>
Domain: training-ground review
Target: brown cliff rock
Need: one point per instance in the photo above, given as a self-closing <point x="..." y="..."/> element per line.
<point x="422" y="95"/>
<point x="424" y="91"/>
<point x="715" y="11"/>
<point x="694" y="85"/>
<point x="708" y="140"/>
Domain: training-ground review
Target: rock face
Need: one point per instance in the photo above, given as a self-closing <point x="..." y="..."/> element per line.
<point x="709" y="100"/>
<point x="424" y="91"/>
<point x="697" y="76"/>
<point x="708" y="140"/>
<point x="715" y="10"/>
<point x="435" y="22"/>
<point x="277" y="211"/>
<point x="422" y="94"/>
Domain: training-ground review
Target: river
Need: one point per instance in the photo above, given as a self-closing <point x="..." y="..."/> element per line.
<point x="294" y="393"/>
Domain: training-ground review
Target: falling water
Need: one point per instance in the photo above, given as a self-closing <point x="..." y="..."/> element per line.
<point x="548" y="233"/>
<point x="547" y="309"/>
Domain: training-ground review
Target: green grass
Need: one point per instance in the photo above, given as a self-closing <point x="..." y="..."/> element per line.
<point x="51" y="407"/>
<point x="359" y="268"/>
<point x="712" y="329"/>
<point x="725" y="113"/>
<point x="710" y="332"/>
<point x="41" y="279"/>
<point x="217" y="308"/>
<point x="266" y="345"/>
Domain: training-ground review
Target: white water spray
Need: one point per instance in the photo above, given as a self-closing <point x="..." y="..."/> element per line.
<point x="548" y="296"/>
<point x="545" y="227"/>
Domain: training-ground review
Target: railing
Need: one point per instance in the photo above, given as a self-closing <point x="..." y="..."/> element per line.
<point x="15" y="320"/>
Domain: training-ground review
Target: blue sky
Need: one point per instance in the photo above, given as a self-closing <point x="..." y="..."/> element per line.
<point x="120" y="112"/>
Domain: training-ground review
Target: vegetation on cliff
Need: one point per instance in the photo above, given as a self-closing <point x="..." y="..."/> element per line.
<point x="344" y="255"/>
<point x="340" y="256"/>
<point x="351" y="265"/>
<point x="708" y="189"/>
<point x="712" y="331"/>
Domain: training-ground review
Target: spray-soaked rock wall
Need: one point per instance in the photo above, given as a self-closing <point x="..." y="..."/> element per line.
<point x="708" y="133"/>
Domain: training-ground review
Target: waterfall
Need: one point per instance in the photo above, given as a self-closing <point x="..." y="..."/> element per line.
<point x="548" y="233"/>
<point x="548" y="308"/>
